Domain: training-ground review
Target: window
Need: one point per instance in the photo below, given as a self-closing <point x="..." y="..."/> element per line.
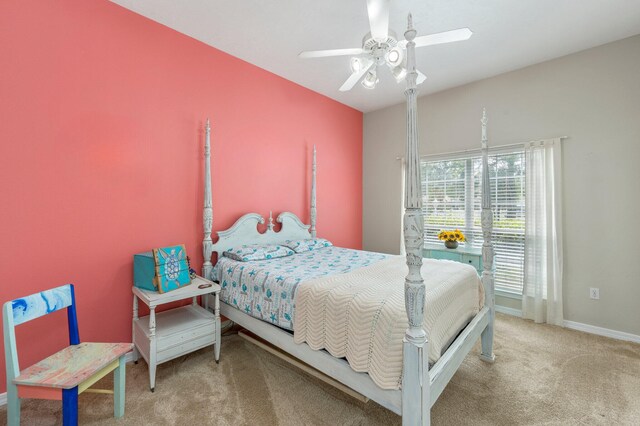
<point x="452" y="199"/>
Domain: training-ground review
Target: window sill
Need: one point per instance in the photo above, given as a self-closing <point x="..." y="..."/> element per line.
<point x="508" y="294"/>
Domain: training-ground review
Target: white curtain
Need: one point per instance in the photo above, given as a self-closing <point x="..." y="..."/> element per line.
<point x="542" y="292"/>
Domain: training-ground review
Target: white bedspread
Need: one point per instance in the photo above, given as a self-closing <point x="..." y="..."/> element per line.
<point x="360" y="315"/>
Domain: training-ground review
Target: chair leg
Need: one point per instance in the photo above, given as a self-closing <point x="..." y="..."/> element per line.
<point x="13" y="406"/>
<point x="70" y="407"/>
<point x="118" y="388"/>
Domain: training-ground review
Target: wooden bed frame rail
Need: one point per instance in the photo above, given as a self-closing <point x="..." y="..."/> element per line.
<point x="421" y="387"/>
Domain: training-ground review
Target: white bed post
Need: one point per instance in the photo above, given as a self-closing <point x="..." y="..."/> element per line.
<point x="207" y="211"/>
<point x="487" y="248"/>
<point x="314" y="212"/>
<point x="416" y="400"/>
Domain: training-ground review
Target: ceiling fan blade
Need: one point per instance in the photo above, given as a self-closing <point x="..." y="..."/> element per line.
<point x="421" y="77"/>
<point x="356" y="77"/>
<point x="440" y="38"/>
<point x="378" y="11"/>
<point x="331" y="52"/>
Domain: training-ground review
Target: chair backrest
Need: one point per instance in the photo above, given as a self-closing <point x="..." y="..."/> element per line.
<point x="24" y="309"/>
<point x="36" y="305"/>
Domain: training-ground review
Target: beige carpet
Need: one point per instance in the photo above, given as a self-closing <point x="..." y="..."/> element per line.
<point x="543" y="375"/>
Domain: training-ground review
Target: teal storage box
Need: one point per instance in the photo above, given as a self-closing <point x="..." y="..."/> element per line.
<point x="162" y="269"/>
<point x="144" y="270"/>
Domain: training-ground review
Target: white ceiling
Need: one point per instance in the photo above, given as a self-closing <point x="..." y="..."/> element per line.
<point x="508" y="34"/>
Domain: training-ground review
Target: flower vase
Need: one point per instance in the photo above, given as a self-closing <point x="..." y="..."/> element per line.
<point x="451" y="244"/>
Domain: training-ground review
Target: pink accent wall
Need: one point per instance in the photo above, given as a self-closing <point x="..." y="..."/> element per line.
<point x="101" y="145"/>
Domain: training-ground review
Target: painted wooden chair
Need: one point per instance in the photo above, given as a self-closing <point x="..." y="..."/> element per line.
<point x="67" y="373"/>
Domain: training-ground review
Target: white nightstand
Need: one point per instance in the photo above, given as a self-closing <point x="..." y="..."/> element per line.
<point x="169" y="334"/>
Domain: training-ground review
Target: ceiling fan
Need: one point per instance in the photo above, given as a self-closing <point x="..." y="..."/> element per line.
<point x="381" y="46"/>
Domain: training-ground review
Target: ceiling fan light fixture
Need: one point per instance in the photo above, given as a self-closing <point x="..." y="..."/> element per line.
<point x="399" y="73"/>
<point x="381" y="46"/>
<point x="356" y="64"/>
<point x="370" y="80"/>
<point x="394" y="57"/>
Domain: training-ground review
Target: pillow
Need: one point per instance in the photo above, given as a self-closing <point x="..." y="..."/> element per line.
<point x="247" y="253"/>
<point x="301" y="246"/>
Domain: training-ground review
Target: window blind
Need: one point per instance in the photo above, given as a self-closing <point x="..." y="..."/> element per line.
<point x="452" y="199"/>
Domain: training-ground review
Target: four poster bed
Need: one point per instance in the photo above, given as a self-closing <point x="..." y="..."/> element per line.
<point x="353" y="312"/>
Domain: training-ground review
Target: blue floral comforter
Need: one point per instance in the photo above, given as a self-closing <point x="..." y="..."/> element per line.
<point x="266" y="289"/>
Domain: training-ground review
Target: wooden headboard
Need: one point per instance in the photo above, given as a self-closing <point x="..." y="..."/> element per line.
<point x="245" y="231"/>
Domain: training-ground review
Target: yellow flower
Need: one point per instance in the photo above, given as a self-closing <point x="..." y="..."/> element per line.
<point x="455" y="235"/>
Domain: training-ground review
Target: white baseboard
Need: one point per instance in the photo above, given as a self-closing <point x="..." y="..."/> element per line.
<point x="600" y="331"/>
<point x="578" y="326"/>
<point x="509" y="311"/>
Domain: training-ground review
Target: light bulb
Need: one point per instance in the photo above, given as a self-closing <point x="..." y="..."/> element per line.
<point x="356" y="64"/>
<point x="394" y="57"/>
<point x="370" y="80"/>
<point x="399" y="73"/>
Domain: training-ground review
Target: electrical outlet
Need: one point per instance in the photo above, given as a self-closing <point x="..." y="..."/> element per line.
<point x="594" y="293"/>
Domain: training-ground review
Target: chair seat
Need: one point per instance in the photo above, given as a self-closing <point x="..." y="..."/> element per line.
<point x="72" y="365"/>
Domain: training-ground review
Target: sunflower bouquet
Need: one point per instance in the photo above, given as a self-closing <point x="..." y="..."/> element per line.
<point x="451" y="238"/>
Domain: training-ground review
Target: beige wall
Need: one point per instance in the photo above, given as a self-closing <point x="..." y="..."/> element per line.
<point x="591" y="96"/>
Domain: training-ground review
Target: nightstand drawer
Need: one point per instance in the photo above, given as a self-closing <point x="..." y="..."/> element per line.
<point x="471" y="260"/>
<point x="178" y="332"/>
<point x="437" y="254"/>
